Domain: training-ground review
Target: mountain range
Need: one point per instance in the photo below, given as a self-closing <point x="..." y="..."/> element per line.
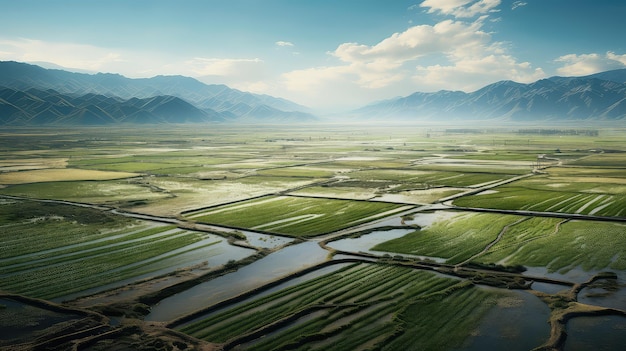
<point x="600" y="96"/>
<point x="32" y="95"/>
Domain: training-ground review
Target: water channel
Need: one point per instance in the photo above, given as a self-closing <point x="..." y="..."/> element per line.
<point x="288" y="260"/>
<point x="519" y="323"/>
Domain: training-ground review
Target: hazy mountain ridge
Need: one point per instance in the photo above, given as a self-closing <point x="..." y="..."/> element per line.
<point x="600" y="96"/>
<point x="218" y="101"/>
<point x="32" y="95"/>
<point x="49" y="107"/>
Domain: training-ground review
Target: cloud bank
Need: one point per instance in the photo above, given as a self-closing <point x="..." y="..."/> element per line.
<point x="453" y="54"/>
<point x="586" y="64"/>
<point x="455" y="51"/>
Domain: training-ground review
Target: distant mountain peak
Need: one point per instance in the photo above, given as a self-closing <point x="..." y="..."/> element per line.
<point x="600" y="96"/>
<point x="215" y="99"/>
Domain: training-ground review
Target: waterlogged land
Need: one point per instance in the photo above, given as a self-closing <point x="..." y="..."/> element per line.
<point x="312" y="238"/>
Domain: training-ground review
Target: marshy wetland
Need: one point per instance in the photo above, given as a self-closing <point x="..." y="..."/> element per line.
<point x="316" y="238"/>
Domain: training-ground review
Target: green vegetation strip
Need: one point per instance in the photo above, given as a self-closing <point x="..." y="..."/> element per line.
<point x="295" y="216"/>
<point x="66" y="249"/>
<point x="377" y="306"/>
<point x="554" y="195"/>
<point x="560" y="248"/>
<point x="556" y="244"/>
<point x="410" y="178"/>
<point x="456" y="239"/>
<point x="84" y="272"/>
<point x="28" y="227"/>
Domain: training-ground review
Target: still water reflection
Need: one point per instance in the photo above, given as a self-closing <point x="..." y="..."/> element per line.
<point x="278" y="264"/>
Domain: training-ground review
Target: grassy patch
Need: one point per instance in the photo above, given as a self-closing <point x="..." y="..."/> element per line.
<point x="304" y="172"/>
<point x="59" y="175"/>
<point x="588" y="245"/>
<point x="54" y="250"/>
<point x="455" y="239"/>
<point x="295" y="216"/>
<point x="565" y="195"/>
<point x="608" y="160"/>
<point x="360" y="306"/>
<point x="103" y="192"/>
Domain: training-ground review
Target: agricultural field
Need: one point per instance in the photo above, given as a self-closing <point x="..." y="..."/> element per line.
<point x="558" y="245"/>
<point x="360" y="306"/>
<point x="126" y="222"/>
<point x="113" y="192"/>
<point x="296" y="216"/>
<point x="402" y="179"/>
<point x="561" y="246"/>
<point x="59" y="175"/>
<point x="51" y="250"/>
<point x="590" y="195"/>
<point x="456" y="239"/>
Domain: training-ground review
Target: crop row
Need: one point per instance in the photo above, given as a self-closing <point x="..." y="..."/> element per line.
<point x="562" y="246"/>
<point x="522" y="198"/>
<point x="85" y="250"/>
<point x="456" y="239"/>
<point x="359" y="305"/>
<point x="52" y="250"/>
<point x="295" y="215"/>
<point x="74" y="273"/>
<point x="553" y="243"/>
<point x="21" y="252"/>
<point x="412" y="178"/>
<point x="27" y="227"/>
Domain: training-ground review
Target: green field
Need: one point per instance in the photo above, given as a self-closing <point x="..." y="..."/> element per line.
<point x="556" y="244"/>
<point x="561" y="247"/>
<point x="411" y="179"/>
<point x="558" y="194"/>
<point x="52" y="250"/>
<point x="360" y="306"/>
<point x="456" y="239"/>
<point x="296" y="216"/>
<point x="67" y="197"/>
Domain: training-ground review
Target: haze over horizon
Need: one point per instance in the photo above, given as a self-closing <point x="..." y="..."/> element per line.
<point x="327" y="55"/>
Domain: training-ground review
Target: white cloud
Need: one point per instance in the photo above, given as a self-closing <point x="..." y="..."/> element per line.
<point x="415" y="42"/>
<point x="284" y="43"/>
<point x="243" y="74"/>
<point x="517" y="4"/>
<point x="618" y="58"/>
<point x="467" y="59"/>
<point x="473" y="73"/>
<point x="222" y="66"/>
<point x="585" y="64"/>
<point x="71" y="55"/>
<point x="461" y="8"/>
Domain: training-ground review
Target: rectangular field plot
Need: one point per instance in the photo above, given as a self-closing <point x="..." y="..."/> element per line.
<point x="556" y="244"/>
<point x="588" y="196"/>
<point x="101" y="192"/>
<point x="361" y="306"/>
<point x="617" y="160"/>
<point x="463" y="165"/>
<point x="346" y="192"/>
<point x="456" y="239"/>
<point x="60" y="175"/>
<point x="301" y="172"/>
<point x="561" y="245"/>
<point x="296" y="216"/>
<point x="402" y="179"/>
<point x="51" y="250"/>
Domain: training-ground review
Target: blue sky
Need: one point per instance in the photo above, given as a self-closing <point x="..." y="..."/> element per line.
<point x="326" y="54"/>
